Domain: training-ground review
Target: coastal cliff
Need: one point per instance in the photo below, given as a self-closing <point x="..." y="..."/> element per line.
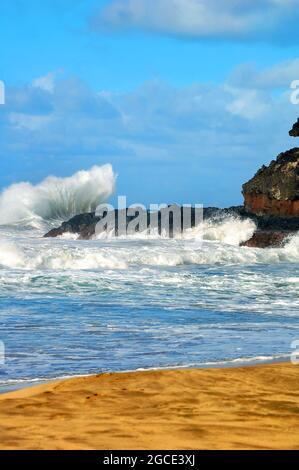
<point x="274" y="190"/>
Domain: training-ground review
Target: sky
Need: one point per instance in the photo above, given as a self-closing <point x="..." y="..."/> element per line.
<point x="185" y="98"/>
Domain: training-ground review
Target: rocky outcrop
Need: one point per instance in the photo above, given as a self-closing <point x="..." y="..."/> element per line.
<point x="272" y="231"/>
<point x="84" y="225"/>
<point x="266" y="239"/>
<point x="294" y="132"/>
<point x="274" y="190"/>
<point x="274" y="193"/>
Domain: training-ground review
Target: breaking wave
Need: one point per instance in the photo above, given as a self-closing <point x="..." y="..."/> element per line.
<point x="56" y="198"/>
<point x="120" y="254"/>
<point x="229" y="230"/>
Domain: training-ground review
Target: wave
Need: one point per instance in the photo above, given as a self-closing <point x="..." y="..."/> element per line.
<point x="229" y="230"/>
<point x="56" y="198"/>
<point x="7" y="385"/>
<point x="122" y="254"/>
<point x="239" y="362"/>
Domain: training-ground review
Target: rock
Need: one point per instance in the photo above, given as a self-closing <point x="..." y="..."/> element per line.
<point x="272" y="196"/>
<point x="267" y="239"/>
<point x="294" y="132"/>
<point x="271" y="230"/>
<point x="273" y="223"/>
<point x="85" y="224"/>
<point x="274" y="190"/>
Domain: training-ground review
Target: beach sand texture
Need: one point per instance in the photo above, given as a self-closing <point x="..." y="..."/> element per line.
<point x="240" y="408"/>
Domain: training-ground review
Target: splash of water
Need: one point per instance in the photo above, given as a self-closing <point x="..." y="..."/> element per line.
<point x="56" y="198"/>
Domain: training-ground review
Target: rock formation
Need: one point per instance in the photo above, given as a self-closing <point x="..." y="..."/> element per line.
<point x="266" y="239"/>
<point x="271" y="230"/>
<point x="274" y="190"/>
<point x="294" y="132"/>
<point x="85" y="224"/>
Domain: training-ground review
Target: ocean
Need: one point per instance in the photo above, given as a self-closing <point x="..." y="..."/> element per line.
<point x="70" y="307"/>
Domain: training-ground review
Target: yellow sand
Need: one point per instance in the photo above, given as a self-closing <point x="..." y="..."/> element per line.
<point x="242" y="408"/>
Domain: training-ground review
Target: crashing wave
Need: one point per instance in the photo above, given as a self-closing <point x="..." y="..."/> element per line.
<point x="229" y="230"/>
<point x="121" y="254"/>
<point x="56" y="198"/>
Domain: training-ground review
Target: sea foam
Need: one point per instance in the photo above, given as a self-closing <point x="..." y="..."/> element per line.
<point x="62" y="254"/>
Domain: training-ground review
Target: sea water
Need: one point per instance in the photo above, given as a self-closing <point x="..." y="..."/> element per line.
<point x="70" y="307"/>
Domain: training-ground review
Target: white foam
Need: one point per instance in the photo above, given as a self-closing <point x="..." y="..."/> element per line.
<point x="11" y="256"/>
<point x="291" y="249"/>
<point x="68" y="236"/>
<point x="117" y="254"/>
<point x="56" y="198"/>
<point x="231" y="230"/>
<point x="213" y="243"/>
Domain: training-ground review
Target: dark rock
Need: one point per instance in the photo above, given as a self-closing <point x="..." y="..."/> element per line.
<point x="294" y="132"/>
<point x="271" y="230"/>
<point x="80" y="224"/>
<point x="267" y="239"/>
<point x="85" y="224"/>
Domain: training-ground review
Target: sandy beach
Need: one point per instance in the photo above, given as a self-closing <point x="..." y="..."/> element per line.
<point x="241" y="408"/>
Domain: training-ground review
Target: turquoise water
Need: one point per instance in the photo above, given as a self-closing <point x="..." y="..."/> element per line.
<point x="71" y="307"/>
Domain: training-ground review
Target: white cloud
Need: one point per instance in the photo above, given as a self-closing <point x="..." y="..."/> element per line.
<point x="242" y="19"/>
<point x="45" y="83"/>
<point x="278" y="76"/>
<point x="249" y="104"/>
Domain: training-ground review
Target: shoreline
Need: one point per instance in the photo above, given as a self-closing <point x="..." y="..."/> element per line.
<point x="235" y="363"/>
<point x="248" y="407"/>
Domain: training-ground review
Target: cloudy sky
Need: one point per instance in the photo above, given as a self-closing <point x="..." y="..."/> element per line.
<point x="186" y="98"/>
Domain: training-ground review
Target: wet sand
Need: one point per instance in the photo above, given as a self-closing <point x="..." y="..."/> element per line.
<point x="241" y="408"/>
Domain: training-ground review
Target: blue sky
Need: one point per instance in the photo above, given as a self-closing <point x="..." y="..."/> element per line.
<point x="186" y="98"/>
